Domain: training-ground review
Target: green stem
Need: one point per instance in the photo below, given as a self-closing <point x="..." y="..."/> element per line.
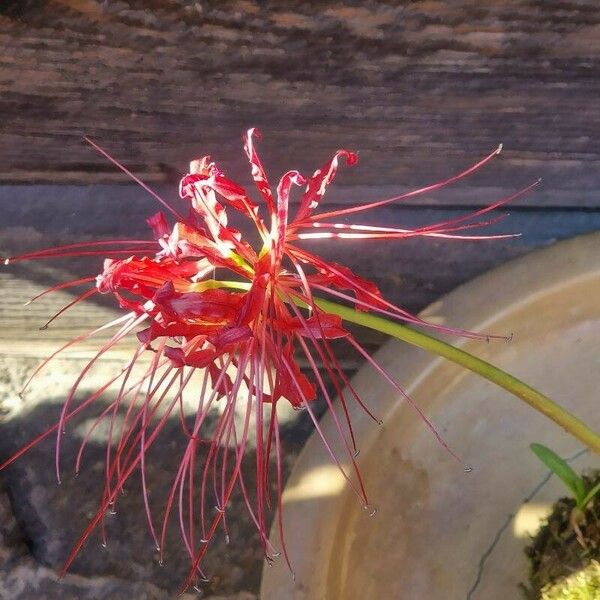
<point x="513" y="385"/>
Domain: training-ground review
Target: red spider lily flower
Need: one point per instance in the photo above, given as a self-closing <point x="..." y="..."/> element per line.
<point x="200" y="298"/>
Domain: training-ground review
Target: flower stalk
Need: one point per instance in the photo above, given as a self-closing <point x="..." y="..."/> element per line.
<point x="515" y="386"/>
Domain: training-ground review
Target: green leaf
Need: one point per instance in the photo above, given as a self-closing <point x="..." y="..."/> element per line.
<point x="590" y="495"/>
<point x="562" y="470"/>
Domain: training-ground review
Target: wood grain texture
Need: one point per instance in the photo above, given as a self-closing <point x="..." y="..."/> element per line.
<point x="20" y="325"/>
<point x="419" y="88"/>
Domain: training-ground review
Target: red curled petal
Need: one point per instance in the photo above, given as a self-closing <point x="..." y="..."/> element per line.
<point x="176" y="356"/>
<point x="227" y="336"/>
<point x="258" y="172"/>
<point x="253" y="300"/>
<point x="341" y="277"/>
<point x="221" y="384"/>
<point x="211" y="305"/>
<point x="291" y="383"/>
<point x="325" y="326"/>
<point x="175" y="330"/>
<point x="319" y="326"/>
<point x="200" y="359"/>
<point x="200" y="186"/>
<point x="160" y="226"/>
<point x="317" y="184"/>
<point x="279" y="226"/>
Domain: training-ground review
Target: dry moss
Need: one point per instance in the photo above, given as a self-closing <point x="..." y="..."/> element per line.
<point x="584" y="585"/>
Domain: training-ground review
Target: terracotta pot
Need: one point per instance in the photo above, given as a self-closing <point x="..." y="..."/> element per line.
<point x="435" y="522"/>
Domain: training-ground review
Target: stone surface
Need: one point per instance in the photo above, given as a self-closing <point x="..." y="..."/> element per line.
<point x="40" y="520"/>
<point x="23" y="577"/>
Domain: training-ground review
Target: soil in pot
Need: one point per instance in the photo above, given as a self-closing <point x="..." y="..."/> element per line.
<point x="564" y="567"/>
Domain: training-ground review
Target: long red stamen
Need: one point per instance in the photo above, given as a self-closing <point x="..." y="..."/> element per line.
<point x="107" y="346"/>
<point x="360" y="492"/>
<point x="77" y="300"/>
<point x="410" y="401"/>
<point x="60" y="286"/>
<point x="115" y="162"/>
<point x="413" y="193"/>
<point x="278" y="453"/>
<point x="74" y="341"/>
<point x="57" y="251"/>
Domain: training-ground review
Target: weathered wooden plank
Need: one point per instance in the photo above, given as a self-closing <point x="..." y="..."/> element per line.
<point x="420" y="89"/>
<point x="21" y="326"/>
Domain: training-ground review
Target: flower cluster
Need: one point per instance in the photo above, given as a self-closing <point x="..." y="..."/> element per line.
<point x="202" y="299"/>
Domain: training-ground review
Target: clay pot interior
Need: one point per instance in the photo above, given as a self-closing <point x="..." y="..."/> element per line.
<point x="435" y="521"/>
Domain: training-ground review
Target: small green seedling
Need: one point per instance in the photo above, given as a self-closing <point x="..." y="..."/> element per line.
<point x="562" y="470"/>
<point x="574" y="482"/>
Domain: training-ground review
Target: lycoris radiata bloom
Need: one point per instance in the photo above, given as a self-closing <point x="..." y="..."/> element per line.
<point x="201" y="298"/>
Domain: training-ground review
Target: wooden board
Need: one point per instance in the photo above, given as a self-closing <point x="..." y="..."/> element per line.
<point x="420" y="89"/>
